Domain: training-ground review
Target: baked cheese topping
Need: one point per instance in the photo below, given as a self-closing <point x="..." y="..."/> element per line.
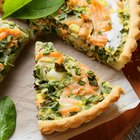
<point x="12" y="39"/>
<point x="64" y="86"/>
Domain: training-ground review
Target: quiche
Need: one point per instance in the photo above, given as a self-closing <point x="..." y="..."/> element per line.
<point x="106" y="30"/>
<point x="68" y="93"/>
<point x="12" y="40"/>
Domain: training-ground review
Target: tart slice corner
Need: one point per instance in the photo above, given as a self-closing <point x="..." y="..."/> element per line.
<point x="68" y="93"/>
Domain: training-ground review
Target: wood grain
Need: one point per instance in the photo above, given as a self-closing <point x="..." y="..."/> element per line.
<point x="118" y="128"/>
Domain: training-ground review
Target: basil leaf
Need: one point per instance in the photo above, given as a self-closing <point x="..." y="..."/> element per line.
<point x="10" y="6"/>
<point x="7" y="118"/>
<point x="38" y="9"/>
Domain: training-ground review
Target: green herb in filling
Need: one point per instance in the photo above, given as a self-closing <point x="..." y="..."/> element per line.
<point x="92" y="78"/>
<point x="105" y="88"/>
<point x="81" y="82"/>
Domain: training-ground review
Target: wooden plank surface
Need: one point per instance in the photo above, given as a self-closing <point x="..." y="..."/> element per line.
<point x="119" y="128"/>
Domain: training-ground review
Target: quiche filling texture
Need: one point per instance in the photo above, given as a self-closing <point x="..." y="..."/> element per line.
<point x="12" y="40"/>
<point x="97" y="27"/>
<point x="64" y="87"/>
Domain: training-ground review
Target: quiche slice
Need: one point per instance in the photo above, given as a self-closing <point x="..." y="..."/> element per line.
<point x="106" y="30"/>
<point x="12" y="40"/>
<point x="68" y="93"/>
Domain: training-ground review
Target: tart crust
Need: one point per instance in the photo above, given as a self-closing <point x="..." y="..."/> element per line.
<point x="49" y="126"/>
<point x="133" y="35"/>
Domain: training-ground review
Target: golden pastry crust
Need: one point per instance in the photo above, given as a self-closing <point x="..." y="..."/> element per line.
<point x="48" y="126"/>
<point x="134" y="35"/>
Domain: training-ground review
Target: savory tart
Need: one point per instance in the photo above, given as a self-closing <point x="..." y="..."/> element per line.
<point x="103" y="29"/>
<point x="12" y="40"/>
<point x="68" y="93"/>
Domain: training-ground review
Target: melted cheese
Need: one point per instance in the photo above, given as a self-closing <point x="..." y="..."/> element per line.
<point x="112" y="4"/>
<point x="53" y="75"/>
<point x="69" y="105"/>
<point x="114" y="35"/>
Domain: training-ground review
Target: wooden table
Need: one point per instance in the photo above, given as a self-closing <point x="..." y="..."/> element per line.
<point x="118" y="128"/>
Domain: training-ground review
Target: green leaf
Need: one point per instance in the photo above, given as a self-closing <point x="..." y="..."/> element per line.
<point x="10" y="6"/>
<point x="38" y="9"/>
<point x="7" y="118"/>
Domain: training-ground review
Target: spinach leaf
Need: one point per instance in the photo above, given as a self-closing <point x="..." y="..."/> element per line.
<point x="38" y="9"/>
<point x="10" y="6"/>
<point x="7" y="118"/>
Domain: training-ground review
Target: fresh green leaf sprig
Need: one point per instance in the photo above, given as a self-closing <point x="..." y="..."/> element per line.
<point x="30" y="9"/>
<point x="7" y="118"/>
<point x="11" y="6"/>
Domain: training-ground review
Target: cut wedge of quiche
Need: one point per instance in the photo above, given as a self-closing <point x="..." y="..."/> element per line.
<point x="68" y="93"/>
<point x="106" y="30"/>
<point x="12" y="40"/>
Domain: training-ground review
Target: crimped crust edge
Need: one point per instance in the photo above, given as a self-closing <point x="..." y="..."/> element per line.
<point x="47" y="127"/>
<point x="133" y="36"/>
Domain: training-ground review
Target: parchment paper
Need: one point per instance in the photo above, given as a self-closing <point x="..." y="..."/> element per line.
<point x="19" y="86"/>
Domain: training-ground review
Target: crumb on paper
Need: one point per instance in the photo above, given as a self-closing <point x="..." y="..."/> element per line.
<point x="138" y="68"/>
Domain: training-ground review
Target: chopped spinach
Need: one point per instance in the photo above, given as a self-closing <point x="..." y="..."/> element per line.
<point x="81" y="82"/>
<point x="48" y="48"/>
<point x="94" y="99"/>
<point x="54" y="105"/>
<point x="92" y="78"/>
<point x="62" y="16"/>
<point x="81" y="9"/>
<point x="59" y="68"/>
<point x="89" y="1"/>
<point x="48" y="114"/>
<point x="72" y="113"/>
<point x="105" y="88"/>
<point x="77" y="71"/>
